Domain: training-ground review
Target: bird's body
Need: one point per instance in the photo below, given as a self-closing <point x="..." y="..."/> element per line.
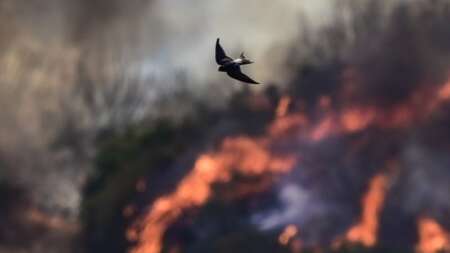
<point x="232" y="66"/>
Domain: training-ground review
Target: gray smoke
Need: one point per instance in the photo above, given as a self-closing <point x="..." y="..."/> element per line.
<point x="82" y="66"/>
<point x="397" y="50"/>
<point x="71" y="69"/>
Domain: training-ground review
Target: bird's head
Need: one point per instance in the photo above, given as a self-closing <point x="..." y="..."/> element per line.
<point x="221" y="69"/>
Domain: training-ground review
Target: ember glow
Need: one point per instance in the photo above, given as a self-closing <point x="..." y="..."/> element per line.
<point x="40" y="218"/>
<point x="365" y="232"/>
<point x="432" y="237"/>
<point x="287" y="235"/>
<point x="283" y="106"/>
<point x="444" y="92"/>
<point x="356" y="119"/>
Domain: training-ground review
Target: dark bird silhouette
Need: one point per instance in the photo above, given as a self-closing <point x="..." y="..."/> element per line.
<point x="232" y="66"/>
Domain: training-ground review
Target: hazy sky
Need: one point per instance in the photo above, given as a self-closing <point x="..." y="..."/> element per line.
<point x="259" y="27"/>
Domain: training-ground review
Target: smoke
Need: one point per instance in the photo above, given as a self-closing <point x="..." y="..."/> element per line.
<point x="71" y="69"/>
<point x="251" y="26"/>
<point x="363" y="59"/>
<point x="419" y="189"/>
<point x="103" y="56"/>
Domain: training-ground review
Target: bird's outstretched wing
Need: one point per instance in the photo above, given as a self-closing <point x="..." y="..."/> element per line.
<point x="236" y="73"/>
<point x="221" y="56"/>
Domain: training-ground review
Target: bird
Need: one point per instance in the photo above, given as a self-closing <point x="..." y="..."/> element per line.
<point x="232" y="66"/>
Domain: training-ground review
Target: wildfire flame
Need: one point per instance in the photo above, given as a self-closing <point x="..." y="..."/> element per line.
<point x="283" y="106"/>
<point x="365" y="232"/>
<point x="253" y="157"/>
<point x="432" y="237"/>
<point x="288" y="233"/>
<point x="444" y="92"/>
<point x="237" y="155"/>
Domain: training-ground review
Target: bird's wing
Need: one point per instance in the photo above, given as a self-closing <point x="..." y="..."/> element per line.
<point x="237" y="74"/>
<point x="221" y="56"/>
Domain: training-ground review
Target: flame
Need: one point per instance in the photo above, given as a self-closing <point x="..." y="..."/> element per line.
<point x="237" y="155"/>
<point x="432" y="237"/>
<point x="288" y="124"/>
<point x="253" y="157"/>
<point x="366" y="230"/>
<point x="325" y="127"/>
<point x="287" y="235"/>
<point x="444" y="92"/>
<point x="324" y="102"/>
<point x="283" y="106"/>
<point x="356" y="119"/>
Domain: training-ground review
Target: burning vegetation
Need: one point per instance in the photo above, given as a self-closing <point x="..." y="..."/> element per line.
<point x="432" y="237"/>
<point x="349" y="154"/>
<point x="344" y="142"/>
<point x="366" y="231"/>
<point x="266" y="155"/>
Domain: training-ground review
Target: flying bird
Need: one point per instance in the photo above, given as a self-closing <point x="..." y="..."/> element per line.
<point x="232" y="66"/>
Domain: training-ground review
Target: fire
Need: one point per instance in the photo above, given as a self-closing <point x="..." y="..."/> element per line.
<point x="283" y="106"/>
<point x="323" y="129"/>
<point x="355" y="119"/>
<point x="444" y="92"/>
<point x="324" y="102"/>
<point x="291" y="123"/>
<point x="365" y="232"/>
<point x="287" y="235"/>
<point x="432" y="237"/>
<point x="236" y="155"/>
<point x="252" y="157"/>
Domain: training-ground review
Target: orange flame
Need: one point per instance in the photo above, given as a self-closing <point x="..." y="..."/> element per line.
<point x="432" y="237"/>
<point x="252" y="157"/>
<point x="365" y="232"/>
<point x="325" y="127"/>
<point x="287" y="235"/>
<point x="355" y="119"/>
<point x="283" y="106"/>
<point x="237" y="155"/>
<point x="444" y="92"/>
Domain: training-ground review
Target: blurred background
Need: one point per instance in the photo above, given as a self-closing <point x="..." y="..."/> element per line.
<point x="117" y="133"/>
